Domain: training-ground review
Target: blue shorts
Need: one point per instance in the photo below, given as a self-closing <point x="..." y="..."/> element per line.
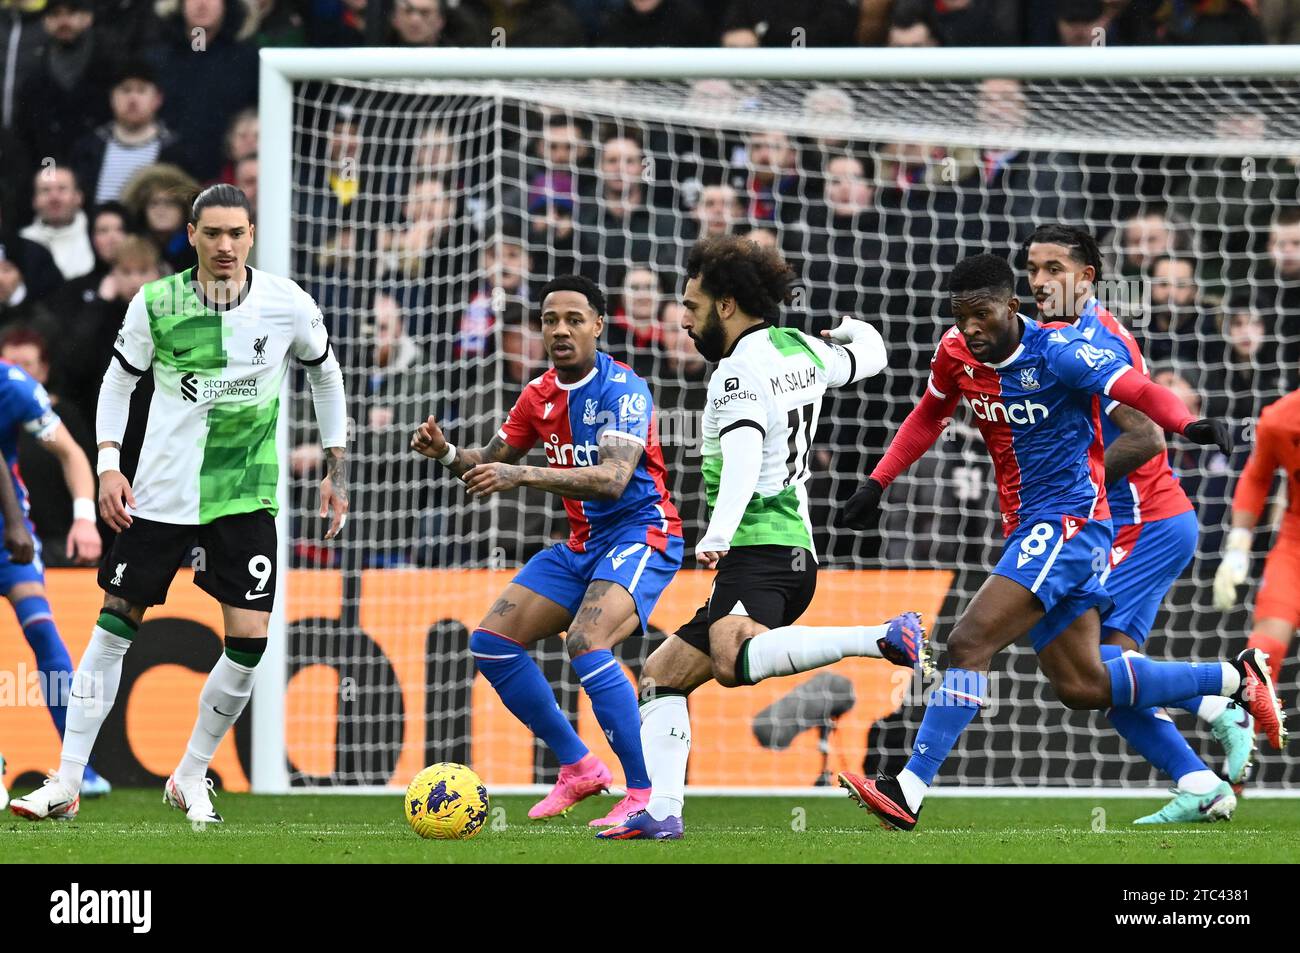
<point x="561" y="575"/>
<point x="1145" y="560"/>
<point x="1058" y="559"/>
<point x="11" y="573"/>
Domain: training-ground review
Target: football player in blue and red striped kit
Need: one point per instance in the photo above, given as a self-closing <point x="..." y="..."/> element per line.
<point x="1031" y="389"/>
<point x="1155" y="536"/>
<point x="595" y="419"/>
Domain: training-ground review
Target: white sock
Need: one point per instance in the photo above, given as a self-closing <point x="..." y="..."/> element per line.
<point x="799" y="648"/>
<point x="1199" y="782"/>
<point x="913" y="789"/>
<point x="666" y="741"/>
<point x="1231" y="680"/>
<point x="223" y="699"/>
<point x="93" y="691"/>
<point x="1211" y="707"/>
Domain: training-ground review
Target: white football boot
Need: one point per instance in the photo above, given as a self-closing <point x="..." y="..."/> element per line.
<point x="53" y="799"/>
<point x="4" y="791"/>
<point x="194" y="797"/>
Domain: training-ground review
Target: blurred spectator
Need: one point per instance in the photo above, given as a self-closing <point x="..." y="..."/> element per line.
<point x="523" y="351"/>
<point x="1208" y="22"/>
<point x="912" y="26"/>
<point x="1277" y="294"/>
<point x="655" y="23"/>
<point x="22" y="38"/>
<point x="63" y="97"/>
<point x="1141" y="239"/>
<point x="504" y="265"/>
<point x="532" y="22"/>
<point x="18" y="306"/>
<point x="1280" y="20"/>
<point x="87" y="335"/>
<point x="275" y="23"/>
<point x="843" y="254"/>
<point x="41" y="275"/>
<point x="411" y="249"/>
<point x="207" y="77"/>
<point x="392" y="384"/>
<point x="51" y="504"/>
<point x="430" y="23"/>
<point x="241" y="142"/>
<point x="1176" y="333"/>
<point x="159" y="198"/>
<point x="1081" y="22"/>
<point x="60" y="223"/>
<point x="1025" y="187"/>
<point x="335" y="23"/>
<point x="760" y="235"/>
<point x="1251" y="377"/>
<point x="246" y="181"/>
<point x="632" y="328"/>
<point x="717" y="211"/>
<point x="681" y="359"/>
<point x="552" y="179"/>
<point x="767" y="181"/>
<point x="107" y="227"/>
<point x="775" y="23"/>
<point x="618" y="225"/>
<point x="106" y="158"/>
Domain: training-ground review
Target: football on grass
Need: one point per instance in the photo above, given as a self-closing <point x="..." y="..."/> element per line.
<point x="446" y="802"/>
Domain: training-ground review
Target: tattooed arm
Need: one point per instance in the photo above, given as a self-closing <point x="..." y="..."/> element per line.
<point x="334" y="490"/>
<point x="604" y="481"/>
<point x="1140" y="440"/>
<point x="429" y="441"/>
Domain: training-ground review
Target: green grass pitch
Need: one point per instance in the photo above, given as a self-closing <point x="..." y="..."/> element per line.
<point x="135" y="827"/>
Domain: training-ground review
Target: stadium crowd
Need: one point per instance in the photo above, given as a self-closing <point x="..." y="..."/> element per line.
<point x="423" y="252"/>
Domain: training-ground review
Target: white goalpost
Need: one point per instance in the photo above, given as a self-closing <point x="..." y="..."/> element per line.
<point x="423" y="196"/>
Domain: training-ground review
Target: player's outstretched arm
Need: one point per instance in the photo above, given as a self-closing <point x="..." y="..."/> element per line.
<point x="917" y="435"/>
<point x="429" y="441"/>
<point x="604" y="481"/>
<point x="1140" y="440"/>
<point x="19" y="542"/>
<point x="83" y="543"/>
<point x="1132" y="388"/>
<point x="1248" y="503"/>
<point x="861" y="352"/>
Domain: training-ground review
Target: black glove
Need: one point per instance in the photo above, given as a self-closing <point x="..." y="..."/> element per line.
<point x="1211" y="430"/>
<point x="862" y="506"/>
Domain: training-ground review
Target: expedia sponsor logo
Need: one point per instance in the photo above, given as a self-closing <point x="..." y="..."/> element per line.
<point x="571" y="455"/>
<point x="725" y="399"/>
<point x="1019" y="412"/>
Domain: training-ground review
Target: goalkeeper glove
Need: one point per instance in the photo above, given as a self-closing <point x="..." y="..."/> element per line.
<point x="862" y="506"/>
<point x="1233" y="569"/>
<point x="1210" y="431"/>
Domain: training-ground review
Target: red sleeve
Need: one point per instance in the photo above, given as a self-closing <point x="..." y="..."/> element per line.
<point x="1159" y="403"/>
<point x="917" y="435"/>
<point x="1257" y="476"/>
<point x="519" y="430"/>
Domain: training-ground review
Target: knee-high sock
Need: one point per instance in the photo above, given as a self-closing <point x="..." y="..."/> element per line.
<point x="799" y="648"/>
<point x="94" y="689"/>
<point x="1154" y="737"/>
<point x="51" y="655"/>
<point x="613" y="699"/>
<point x="666" y="741"/>
<point x="1138" y="682"/>
<point x="525" y="691"/>
<point x="952" y="706"/>
<point x="224" y="697"/>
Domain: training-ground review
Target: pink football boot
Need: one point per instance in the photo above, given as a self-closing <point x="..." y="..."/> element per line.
<point x="636" y="800"/>
<point x="576" y="782"/>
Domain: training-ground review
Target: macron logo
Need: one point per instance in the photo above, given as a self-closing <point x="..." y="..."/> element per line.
<point x="76" y="906"/>
<point x="1070" y="526"/>
<point x="547" y="412"/>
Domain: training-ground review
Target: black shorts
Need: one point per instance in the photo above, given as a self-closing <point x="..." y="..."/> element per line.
<point x="233" y="558"/>
<point x="774" y="584"/>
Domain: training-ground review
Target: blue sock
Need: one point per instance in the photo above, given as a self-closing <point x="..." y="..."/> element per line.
<point x="1155" y="738"/>
<point x="613" y="699"/>
<point x="523" y="688"/>
<point x="952" y="706"/>
<point x="1138" y="682"/>
<point x="52" y="659"/>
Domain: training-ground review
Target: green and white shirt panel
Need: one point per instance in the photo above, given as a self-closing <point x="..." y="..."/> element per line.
<point x="210" y="442"/>
<point x="775" y="378"/>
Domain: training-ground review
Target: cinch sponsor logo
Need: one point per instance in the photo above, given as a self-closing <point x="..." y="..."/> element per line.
<point x="73" y="906"/>
<point x="571" y="455"/>
<point x="995" y="411"/>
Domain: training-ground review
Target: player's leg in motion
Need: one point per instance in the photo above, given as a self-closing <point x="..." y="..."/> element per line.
<point x="92" y="693"/>
<point x="499" y="645"/>
<point x="52" y="661"/>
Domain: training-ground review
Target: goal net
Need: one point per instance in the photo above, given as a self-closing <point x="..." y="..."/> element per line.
<point x="426" y="213"/>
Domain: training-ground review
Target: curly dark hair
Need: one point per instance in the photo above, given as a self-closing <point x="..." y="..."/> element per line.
<point x="729" y="266"/>
<point x="1081" y="243"/>
<point x="580" y="284"/>
<point x="981" y="273"/>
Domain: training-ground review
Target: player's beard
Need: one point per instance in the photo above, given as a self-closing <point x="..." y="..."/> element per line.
<point x="710" y="341"/>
